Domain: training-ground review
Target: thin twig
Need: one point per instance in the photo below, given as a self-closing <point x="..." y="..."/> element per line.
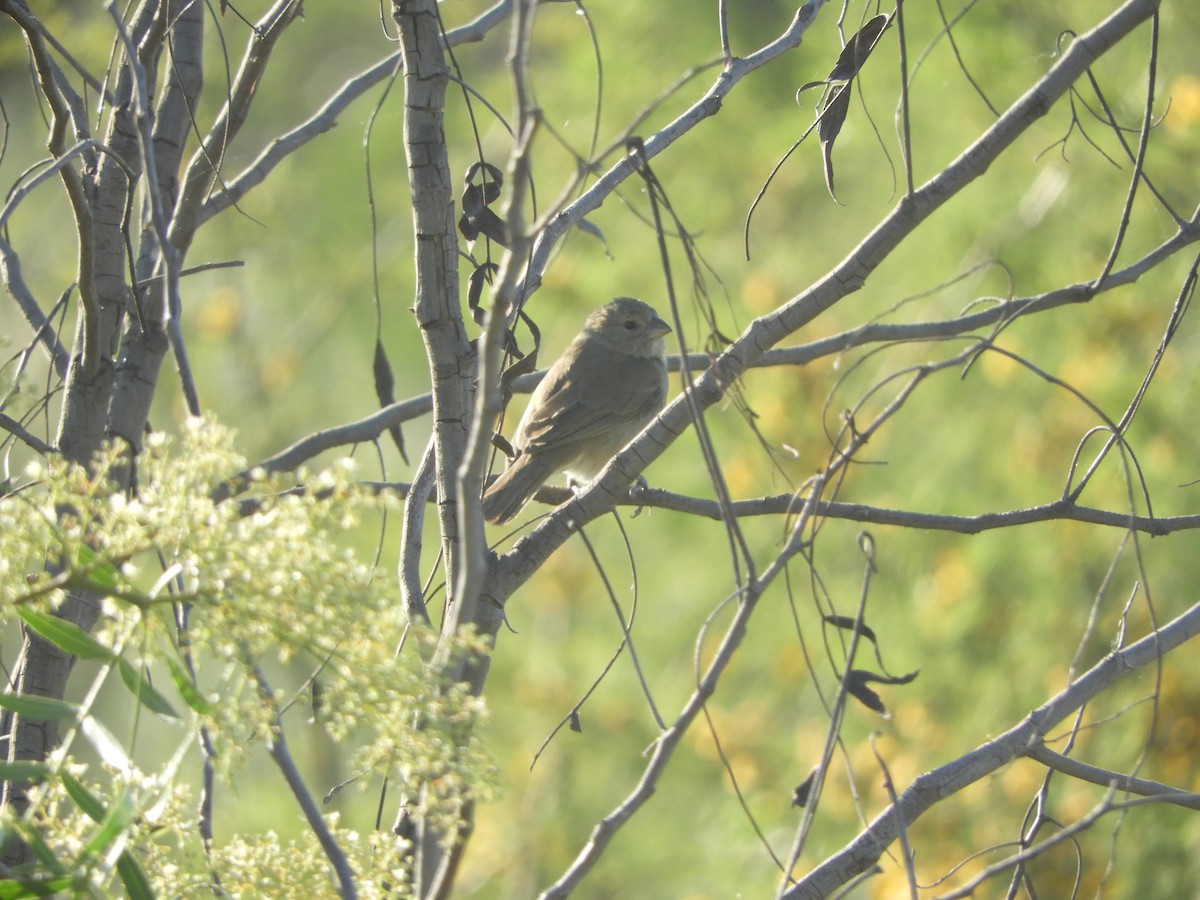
<point x="1073" y="768"/>
<point x="626" y="635"/>
<point x="278" y="749"/>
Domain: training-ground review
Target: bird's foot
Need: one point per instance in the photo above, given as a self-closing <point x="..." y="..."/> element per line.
<point x="636" y="490"/>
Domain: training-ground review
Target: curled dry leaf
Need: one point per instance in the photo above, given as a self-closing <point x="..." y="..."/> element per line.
<point x="833" y="115"/>
<point x="858" y="48"/>
<point x="854" y="54"/>
<point x="477" y="216"/>
<point x="803" y="789"/>
<point x="525" y="364"/>
<point x="849" y="623"/>
<point x="482" y="275"/>
<point x="858" y="679"/>
<point x="385" y="384"/>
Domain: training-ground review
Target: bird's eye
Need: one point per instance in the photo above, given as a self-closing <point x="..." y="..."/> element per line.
<point x="630" y="325"/>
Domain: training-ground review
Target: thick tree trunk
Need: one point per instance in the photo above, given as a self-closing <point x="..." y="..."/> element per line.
<point x="89" y="403"/>
<point x="452" y="363"/>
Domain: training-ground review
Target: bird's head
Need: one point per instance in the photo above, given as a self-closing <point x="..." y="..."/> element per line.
<point x="630" y="326"/>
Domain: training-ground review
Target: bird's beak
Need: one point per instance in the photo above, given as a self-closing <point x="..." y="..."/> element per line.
<point x="657" y="327"/>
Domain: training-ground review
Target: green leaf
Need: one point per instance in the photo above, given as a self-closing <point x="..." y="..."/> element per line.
<point x="63" y="634"/>
<point x="187" y="689"/>
<point x="23" y="770"/>
<point x="102" y="575"/>
<point x="40" y="709"/>
<point x="91" y="573"/>
<point x="141" y="688"/>
<point x="33" y="838"/>
<point x="116" y="823"/>
<point x="137" y="885"/>
<point x="12" y="889"/>
<point x="82" y="797"/>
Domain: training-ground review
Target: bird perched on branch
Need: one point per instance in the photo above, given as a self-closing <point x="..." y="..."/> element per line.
<point x="605" y="388"/>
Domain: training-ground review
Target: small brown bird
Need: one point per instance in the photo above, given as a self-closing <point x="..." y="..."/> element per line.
<point x="608" y="384"/>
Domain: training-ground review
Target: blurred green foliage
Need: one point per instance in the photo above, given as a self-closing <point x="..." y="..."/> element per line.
<point x="283" y="346"/>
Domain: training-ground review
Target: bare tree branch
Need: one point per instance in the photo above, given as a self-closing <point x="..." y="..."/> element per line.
<point x="283" y="146"/>
<point x="278" y="748"/>
<point x="15" y="428"/>
<point x="206" y="161"/>
<point x="934" y="786"/>
<point x="789" y="504"/>
<point x="560" y="221"/>
<point x="39" y="324"/>
<point x="1129" y="784"/>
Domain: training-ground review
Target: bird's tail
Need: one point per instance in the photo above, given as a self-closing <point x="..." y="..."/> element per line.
<point x="513" y="489"/>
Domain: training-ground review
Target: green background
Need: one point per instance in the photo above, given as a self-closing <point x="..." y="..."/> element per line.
<point x="282" y="346"/>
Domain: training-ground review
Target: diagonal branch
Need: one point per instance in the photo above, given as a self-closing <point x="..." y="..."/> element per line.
<point x="325" y="118"/>
<point x="746" y="598"/>
<point x="206" y="161"/>
<point x="1023" y="739"/>
<point x="39" y="322"/>
<point x="527" y="556"/>
<point x="277" y="747"/>
<point x="1144" y="787"/>
<point x="707" y="106"/>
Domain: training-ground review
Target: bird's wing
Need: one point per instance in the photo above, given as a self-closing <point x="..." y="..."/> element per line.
<point x="567" y="413"/>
